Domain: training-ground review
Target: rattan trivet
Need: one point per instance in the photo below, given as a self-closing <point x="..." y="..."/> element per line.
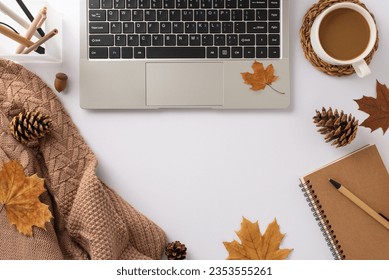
<point x="332" y="70"/>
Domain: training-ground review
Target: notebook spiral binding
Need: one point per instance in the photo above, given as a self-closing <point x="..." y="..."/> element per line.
<point x="323" y="223"/>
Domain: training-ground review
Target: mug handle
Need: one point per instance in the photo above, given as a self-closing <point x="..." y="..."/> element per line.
<point x="361" y="68"/>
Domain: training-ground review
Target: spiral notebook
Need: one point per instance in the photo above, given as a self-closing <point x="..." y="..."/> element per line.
<point x="350" y="232"/>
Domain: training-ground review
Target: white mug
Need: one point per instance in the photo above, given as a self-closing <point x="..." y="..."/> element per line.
<point x="359" y="64"/>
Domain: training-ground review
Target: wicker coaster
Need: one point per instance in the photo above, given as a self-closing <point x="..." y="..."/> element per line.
<point x="332" y="70"/>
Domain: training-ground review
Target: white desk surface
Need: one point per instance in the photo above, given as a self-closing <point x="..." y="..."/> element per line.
<point x="197" y="172"/>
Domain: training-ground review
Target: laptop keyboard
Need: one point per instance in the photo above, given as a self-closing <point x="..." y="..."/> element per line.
<point x="192" y="29"/>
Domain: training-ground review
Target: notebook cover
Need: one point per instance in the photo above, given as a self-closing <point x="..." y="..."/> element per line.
<point x="351" y="233"/>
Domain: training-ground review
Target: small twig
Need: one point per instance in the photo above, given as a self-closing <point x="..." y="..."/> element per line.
<point x="275" y="89"/>
<point x="2" y="207"/>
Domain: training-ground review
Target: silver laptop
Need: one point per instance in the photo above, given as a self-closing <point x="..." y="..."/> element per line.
<point x="150" y="54"/>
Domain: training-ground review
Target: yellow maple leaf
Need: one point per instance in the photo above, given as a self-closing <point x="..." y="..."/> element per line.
<point x="261" y="77"/>
<point x="254" y="245"/>
<point x="19" y="196"/>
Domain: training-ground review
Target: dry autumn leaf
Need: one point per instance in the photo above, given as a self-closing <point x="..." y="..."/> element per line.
<point x="19" y="196"/>
<point x="254" y="245"/>
<point x="377" y="108"/>
<point x="261" y="77"/>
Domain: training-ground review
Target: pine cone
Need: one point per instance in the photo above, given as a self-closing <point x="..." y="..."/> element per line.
<point x="339" y="128"/>
<point x="29" y="126"/>
<point x="175" y="251"/>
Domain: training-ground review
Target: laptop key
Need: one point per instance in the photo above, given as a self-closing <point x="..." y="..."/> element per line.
<point x="224" y="52"/>
<point x="219" y="4"/>
<point x="98" y="27"/>
<point x="182" y="40"/>
<point x="274" y="52"/>
<point x="133" y="40"/>
<point x="128" y="27"/>
<point x="106" y="4"/>
<point x="274" y="14"/>
<point x="125" y="15"/>
<point x="194" y="4"/>
<point x="174" y="15"/>
<point x="232" y="40"/>
<point x="274" y="39"/>
<point x="212" y="52"/>
<point x="199" y="15"/>
<point x="261" y="39"/>
<point x="231" y="4"/>
<point x="97" y="15"/>
<point x="227" y="27"/>
<point x="220" y="40"/>
<point x="120" y="40"/>
<point x="249" y="14"/>
<point x="119" y="4"/>
<point x="274" y="3"/>
<point x="144" y="4"/>
<point x="116" y="27"/>
<point x="206" y="4"/>
<point x="101" y="40"/>
<point x="140" y="27"/>
<point x="247" y="40"/>
<point x="256" y="27"/>
<point x="157" y="40"/>
<point x="194" y="40"/>
<point x="137" y="15"/>
<point x="145" y="40"/>
<point x="178" y="27"/>
<point x="274" y="27"/>
<point x="249" y="52"/>
<point x="258" y="3"/>
<point x="170" y="40"/>
<point x="236" y="52"/>
<point x="127" y="52"/>
<point x="139" y="52"/>
<point x="114" y="52"/>
<point x="153" y="27"/>
<point x="94" y="4"/>
<point x="98" y="53"/>
<point x="237" y="15"/>
<point x="261" y="52"/>
<point x="243" y="3"/>
<point x="156" y="4"/>
<point x="132" y="4"/>
<point x="202" y="27"/>
<point x="181" y="4"/>
<point x="207" y="40"/>
<point x="215" y="27"/>
<point x="168" y="4"/>
<point x="150" y="15"/>
<point x="240" y="27"/>
<point x="261" y="15"/>
<point x="175" y="52"/>
<point x="162" y="15"/>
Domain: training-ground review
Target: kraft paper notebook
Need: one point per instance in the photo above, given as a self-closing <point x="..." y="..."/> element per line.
<point x="349" y="231"/>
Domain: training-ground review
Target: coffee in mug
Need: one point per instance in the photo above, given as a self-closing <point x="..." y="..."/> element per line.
<point x="343" y="34"/>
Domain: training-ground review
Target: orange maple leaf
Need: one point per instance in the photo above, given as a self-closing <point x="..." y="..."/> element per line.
<point x="261" y="77"/>
<point x="377" y="108"/>
<point x="19" y="196"/>
<point x="254" y="245"/>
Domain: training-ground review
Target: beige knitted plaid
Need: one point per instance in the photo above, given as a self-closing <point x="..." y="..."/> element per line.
<point x="90" y="220"/>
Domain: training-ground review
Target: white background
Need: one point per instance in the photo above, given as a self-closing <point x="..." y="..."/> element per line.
<point x="197" y="172"/>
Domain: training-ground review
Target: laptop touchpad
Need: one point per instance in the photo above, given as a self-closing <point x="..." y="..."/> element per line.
<point x="184" y="84"/>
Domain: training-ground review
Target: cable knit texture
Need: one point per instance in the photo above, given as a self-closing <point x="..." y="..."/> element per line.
<point x="90" y="220"/>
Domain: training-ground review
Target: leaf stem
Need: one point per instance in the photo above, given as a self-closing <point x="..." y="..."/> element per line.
<point x="275" y="89"/>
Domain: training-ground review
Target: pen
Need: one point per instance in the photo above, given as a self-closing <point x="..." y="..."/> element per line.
<point x="14" y="36"/>
<point x="29" y="15"/>
<point x="16" y="18"/>
<point x="42" y="40"/>
<point x="378" y="217"/>
<point x="32" y="28"/>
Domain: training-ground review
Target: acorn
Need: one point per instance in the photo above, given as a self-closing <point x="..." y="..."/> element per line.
<point x="60" y="81"/>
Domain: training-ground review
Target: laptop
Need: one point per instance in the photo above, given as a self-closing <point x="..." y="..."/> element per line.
<point x="151" y="54"/>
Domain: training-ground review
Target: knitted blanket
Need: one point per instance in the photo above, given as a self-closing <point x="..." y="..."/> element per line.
<point x="90" y="220"/>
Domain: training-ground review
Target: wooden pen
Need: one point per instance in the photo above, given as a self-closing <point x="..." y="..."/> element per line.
<point x="42" y="40"/>
<point x="16" y="18"/>
<point x="32" y="28"/>
<point x="378" y="217"/>
<point x="14" y="36"/>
